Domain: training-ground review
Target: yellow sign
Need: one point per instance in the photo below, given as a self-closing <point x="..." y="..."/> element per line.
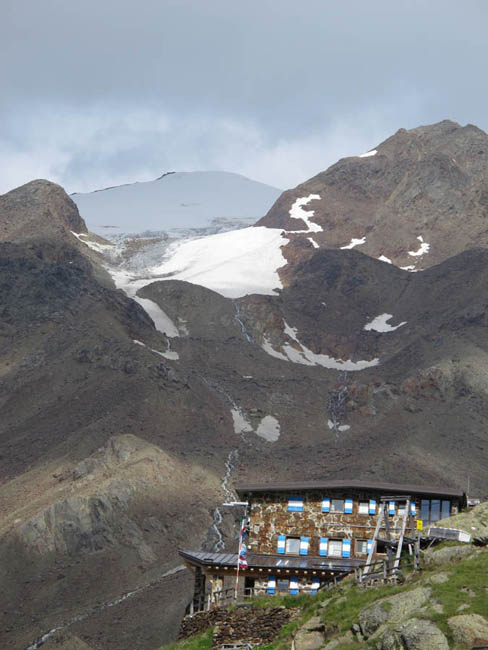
<point x="420" y="524"/>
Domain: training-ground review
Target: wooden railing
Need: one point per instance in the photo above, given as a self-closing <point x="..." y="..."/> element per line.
<point x="381" y="570"/>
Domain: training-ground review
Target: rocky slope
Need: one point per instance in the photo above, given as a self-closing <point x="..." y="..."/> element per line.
<point x="418" y="198"/>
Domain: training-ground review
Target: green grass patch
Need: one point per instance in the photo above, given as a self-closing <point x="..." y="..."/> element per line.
<point x="199" y="642"/>
<point x="467" y="584"/>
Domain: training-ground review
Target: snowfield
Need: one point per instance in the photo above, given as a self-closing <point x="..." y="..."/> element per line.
<point x="233" y="264"/>
<point x="176" y="201"/>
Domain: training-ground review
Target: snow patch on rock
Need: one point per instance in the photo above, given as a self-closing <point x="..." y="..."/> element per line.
<point x="297" y="212"/>
<point x="383" y="258"/>
<point x="368" y="154"/>
<point x="269" y="428"/>
<point x="341" y="427"/>
<point x="304" y="356"/>
<point x="241" y="424"/>
<point x="353" y="243"/>
<point x="169" y="354"/>
<point x="424" y="248"/>
<point x="94" y="245"/>
<point x="313" y="242"/>
<point x="380" y="324"/>
<point x="130" y="285"/>
<point x="269" y="349"/>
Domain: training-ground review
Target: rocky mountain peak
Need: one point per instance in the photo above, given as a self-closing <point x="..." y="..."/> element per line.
<point x="418" y="198"/>
<point x="39" y="208"/>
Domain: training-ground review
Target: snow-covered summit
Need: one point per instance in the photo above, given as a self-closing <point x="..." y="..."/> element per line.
<point x="176" y="201"/>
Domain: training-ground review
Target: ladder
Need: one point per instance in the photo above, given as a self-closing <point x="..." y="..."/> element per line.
<point x="393" y="547"/>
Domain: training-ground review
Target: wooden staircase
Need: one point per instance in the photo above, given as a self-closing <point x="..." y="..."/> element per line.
<point x="389" y="570"/>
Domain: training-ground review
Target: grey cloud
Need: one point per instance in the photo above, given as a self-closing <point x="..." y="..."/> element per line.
<point x="97" y="92"/>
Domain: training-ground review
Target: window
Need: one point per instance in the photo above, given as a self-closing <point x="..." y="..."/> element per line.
<point x="434" y="509"/>
<point x="425" y="511"/>
<point x="292" y="545"/>
<point x="282" y="585"/>
<point x="335" y="547"/>
<point x="446" y="509"/>
<point x="401" y="509"/>
<point x="337" y="505"/>
<point x="361" y="546"/>
<point x="364" y="507"/>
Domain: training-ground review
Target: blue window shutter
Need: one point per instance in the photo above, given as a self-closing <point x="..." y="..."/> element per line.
<point x="346" y="548"/>
<point x="303" y="545"/>
<point x="325" y="505"/>
<point x="294" y="586"/>
<point x="370" y="545"/>
<point x="271" y="585"/>
<point x="391" y="508"/>
<point x="348" y="507"/>
<point x="323" y="545"/>
<point x="295" y="504"/>
<point x="281" y="543"/>
<point x="412" y="509"/>
<point x="372" y="506"/>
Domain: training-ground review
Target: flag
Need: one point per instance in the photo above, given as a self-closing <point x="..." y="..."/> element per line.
<point x="242" y="561"/>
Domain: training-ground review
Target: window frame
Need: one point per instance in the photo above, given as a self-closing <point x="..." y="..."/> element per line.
<point x="334" y="541"/>
<point x="333" y="510"/>
<point x="361" y="541"/>
<point x="363" y="503"/>
<point x="295" y="539"/>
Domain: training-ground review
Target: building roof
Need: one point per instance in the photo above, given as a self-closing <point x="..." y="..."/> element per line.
<point x="385" y="488"/>
<point x="262" y="560"/>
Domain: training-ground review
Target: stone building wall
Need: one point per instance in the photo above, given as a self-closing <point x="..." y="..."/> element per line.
<point x="269" y="517"/>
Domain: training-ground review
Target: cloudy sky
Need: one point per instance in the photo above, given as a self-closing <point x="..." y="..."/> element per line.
<point x="102" y="92"/>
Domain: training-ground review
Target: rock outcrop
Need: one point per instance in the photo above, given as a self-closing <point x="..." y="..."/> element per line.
<point x="419" y="199"/>
<point x="468" y="630"/>
<point x="39" y="209"/>
<point x="415" y="634"/>
<point x="392" y="609"/>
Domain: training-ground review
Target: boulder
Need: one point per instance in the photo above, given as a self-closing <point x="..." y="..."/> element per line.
<point x="466" y="628"/>
<point x="439" y="578"/>
<point x="348" y="637"/>
<point x="392" y="609"/>
<point x="311" y="635"/>
<point x="447" y="554"/>
<point x="415" y="634"/>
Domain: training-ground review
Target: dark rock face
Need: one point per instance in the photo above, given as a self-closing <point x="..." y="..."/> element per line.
<point x="429" y="182"/>
<point x="38" y="209"/>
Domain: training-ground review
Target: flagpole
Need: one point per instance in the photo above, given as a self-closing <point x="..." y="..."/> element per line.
<point x="238" y="559"/>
